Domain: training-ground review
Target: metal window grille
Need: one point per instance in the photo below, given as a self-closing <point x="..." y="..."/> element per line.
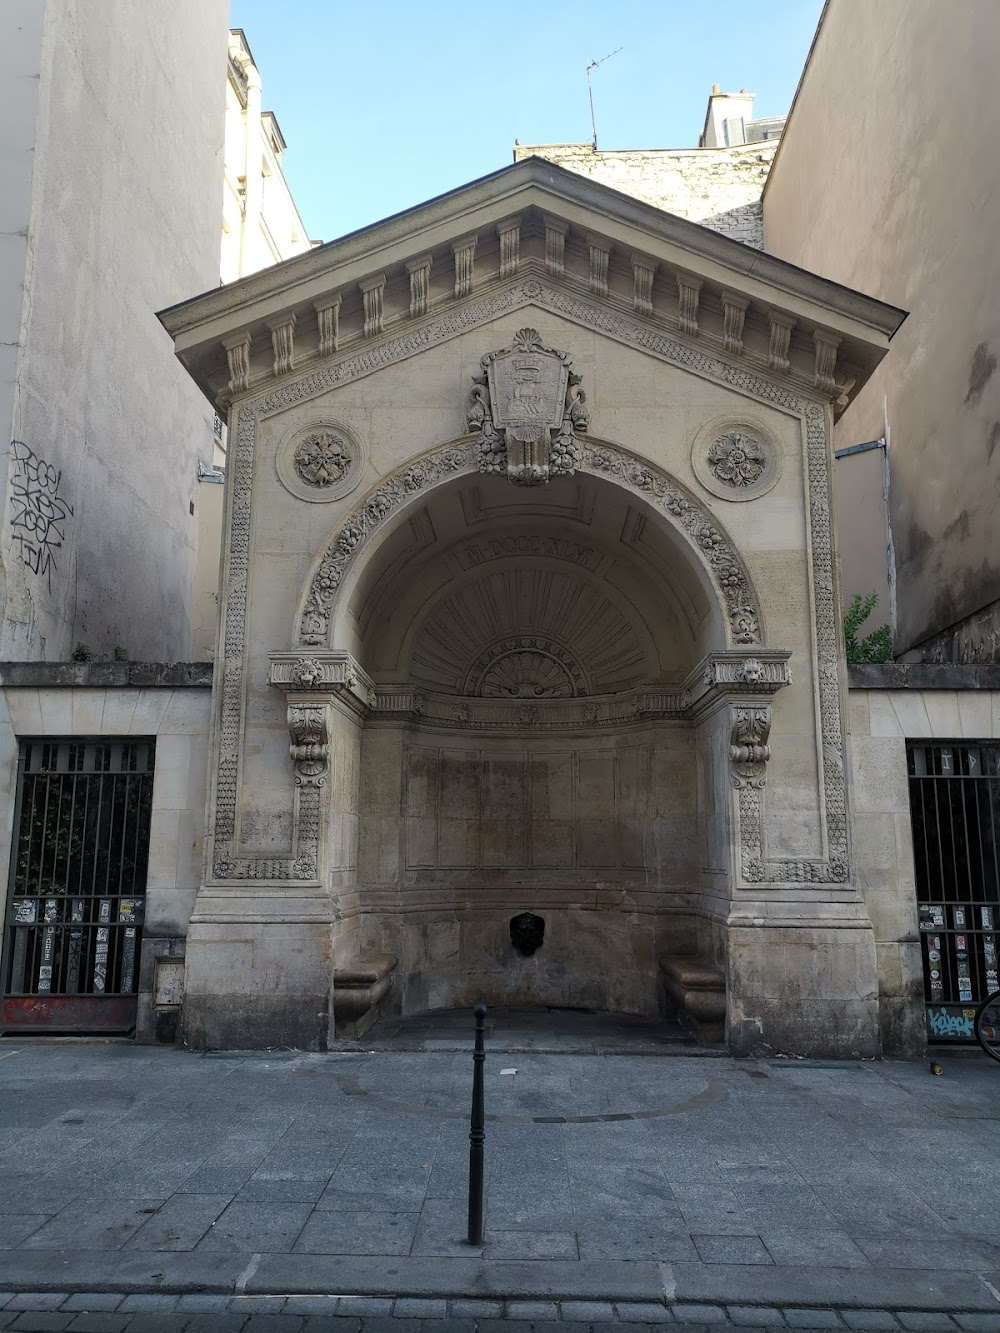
<point x="77" y="885"/>
<point x="955" y="813"/>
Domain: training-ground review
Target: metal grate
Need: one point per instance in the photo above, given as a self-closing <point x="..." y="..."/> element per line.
<point x="78" y="884"/>
<point x="955" y="812"/>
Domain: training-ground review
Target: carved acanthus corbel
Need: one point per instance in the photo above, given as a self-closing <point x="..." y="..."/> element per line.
<point x="419" y="271"/>
<point x="748" y="749"/>
<point x="283" y="343"/>
<point x="600" y="256"/>
<point x="826" y="345"/>
<point x="373" y="295"/>
<point x="309" y="729"/>
<point x="328" y="324"/>
<point x="734" y="313"/>
<point x="780" y="341"/>
<point x="509" y="236"/>
<point x="237" y="347"/>
<point x="688" y="296"/>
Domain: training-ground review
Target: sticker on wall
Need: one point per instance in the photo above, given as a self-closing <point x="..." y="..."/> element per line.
<point x="931" y="916"/>
<point x="989" y="951"/>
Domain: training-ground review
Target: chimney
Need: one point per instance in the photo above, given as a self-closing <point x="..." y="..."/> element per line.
<point x="726" y="119"/>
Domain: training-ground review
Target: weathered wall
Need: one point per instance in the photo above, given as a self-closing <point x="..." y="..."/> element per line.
<point x="881" y="182"/>
<point x="598" y="833"/>
<point x="173" y="704"/>
<point x="718" y="187"/>
<point x="886" y="710"/>
<point x="99" y="540"/>
<point x="20" y="59"/>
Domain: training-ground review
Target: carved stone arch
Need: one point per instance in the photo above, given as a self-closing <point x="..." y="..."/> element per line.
<point x="616" y="597"/>
<point x="700" y="531"/>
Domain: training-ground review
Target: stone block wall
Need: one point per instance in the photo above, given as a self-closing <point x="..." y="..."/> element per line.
<point x="888" y="706"/>
<point x="600" y="834"/>
<point x="719" y="187"/>
<point x="170" y="702"/>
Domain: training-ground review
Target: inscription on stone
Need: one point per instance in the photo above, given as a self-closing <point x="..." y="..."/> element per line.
<point x="555" y="548"/>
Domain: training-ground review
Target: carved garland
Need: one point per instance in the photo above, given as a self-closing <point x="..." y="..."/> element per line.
<point x="635" y="333"/>
<point x="644" y="478"/>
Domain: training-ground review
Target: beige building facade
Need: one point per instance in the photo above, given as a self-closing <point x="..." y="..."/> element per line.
<point x="102" y="432"/>
<point x="260" y="222"/>
<point x="530" y="606"/>
<point x="880" y="183"/>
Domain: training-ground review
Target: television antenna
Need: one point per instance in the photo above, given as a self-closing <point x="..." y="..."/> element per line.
<point x="590" y="93"/>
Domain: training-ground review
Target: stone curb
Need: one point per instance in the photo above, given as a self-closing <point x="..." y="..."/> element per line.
<point x="275" y="1276"/>
<point x="578" y="1314"/>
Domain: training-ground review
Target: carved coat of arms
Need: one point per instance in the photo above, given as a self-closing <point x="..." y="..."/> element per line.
<point x="526" y="408"/>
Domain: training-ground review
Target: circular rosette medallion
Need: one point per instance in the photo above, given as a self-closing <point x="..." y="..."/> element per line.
<point x="320" y="463"/>
<point x="736" y="461"/>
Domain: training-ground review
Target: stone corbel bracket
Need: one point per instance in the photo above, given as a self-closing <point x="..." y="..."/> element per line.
<point x="309" y="747"/>
<point x="322" y="675"/>
<point x="722" y="676"/>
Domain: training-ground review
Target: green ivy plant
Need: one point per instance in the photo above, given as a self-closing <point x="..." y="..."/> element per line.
<point x="874" y="647"/>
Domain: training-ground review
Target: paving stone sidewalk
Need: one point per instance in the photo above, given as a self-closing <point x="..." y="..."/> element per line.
<point x="621" y="1188"/>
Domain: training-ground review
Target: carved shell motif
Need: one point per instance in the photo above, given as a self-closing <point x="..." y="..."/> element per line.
<point x="526" y="675"/>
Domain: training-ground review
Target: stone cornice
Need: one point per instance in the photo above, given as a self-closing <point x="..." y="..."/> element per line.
<point x="586" y="208"/>
<point x="312" y="676"/>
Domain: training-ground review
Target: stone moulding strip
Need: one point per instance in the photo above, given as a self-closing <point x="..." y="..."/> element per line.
<point x="634" y="332"/>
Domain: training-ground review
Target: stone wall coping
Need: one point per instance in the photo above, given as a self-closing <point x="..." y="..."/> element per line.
<point x="106" y="675"/>
<point x="924" y="676"/>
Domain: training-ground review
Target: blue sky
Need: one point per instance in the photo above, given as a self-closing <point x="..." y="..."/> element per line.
<point x="387" y="103"/>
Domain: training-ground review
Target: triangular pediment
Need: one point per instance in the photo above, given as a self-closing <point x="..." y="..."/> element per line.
<point x="532" y="225"/>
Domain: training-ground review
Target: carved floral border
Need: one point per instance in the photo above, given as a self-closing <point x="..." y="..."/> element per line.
<point x="635" y="332"/>
<point x="709" y="542"/>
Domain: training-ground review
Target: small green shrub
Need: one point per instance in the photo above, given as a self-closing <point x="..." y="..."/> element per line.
<point x="874" y="647"/>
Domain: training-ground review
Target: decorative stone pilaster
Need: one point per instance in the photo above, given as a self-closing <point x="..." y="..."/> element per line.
<point x="556" y="232"/>
<point x="734" y="313"/>
<point x="328" y="321"/>
<point x="373" y="295"/>
<point x="688" y="294"/>
<point x="509" y="236"/>
<point x="420" y="278"/>
<point x="750" y="726"/>
<point x="600" y="257"/>
<point x="465" y="265"/>
<point x="309" y="748"/>
<point x="643" y="269"/>
<point x="237" y="347"/>
<point x="283" y="343"/>
<point x="826" y="345"/>
<point x="781" y="336"/>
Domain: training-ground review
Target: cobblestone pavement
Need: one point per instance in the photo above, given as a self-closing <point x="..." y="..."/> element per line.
<point x="115" y="1312"/>
<point x="621" y="1188"/>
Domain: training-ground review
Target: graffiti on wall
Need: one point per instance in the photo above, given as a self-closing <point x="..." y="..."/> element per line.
<point x="947" y="1024"/>
<point x="39" y="512"/>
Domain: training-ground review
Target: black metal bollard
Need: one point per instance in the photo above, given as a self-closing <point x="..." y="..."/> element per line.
<point x="477" y="1131"/>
